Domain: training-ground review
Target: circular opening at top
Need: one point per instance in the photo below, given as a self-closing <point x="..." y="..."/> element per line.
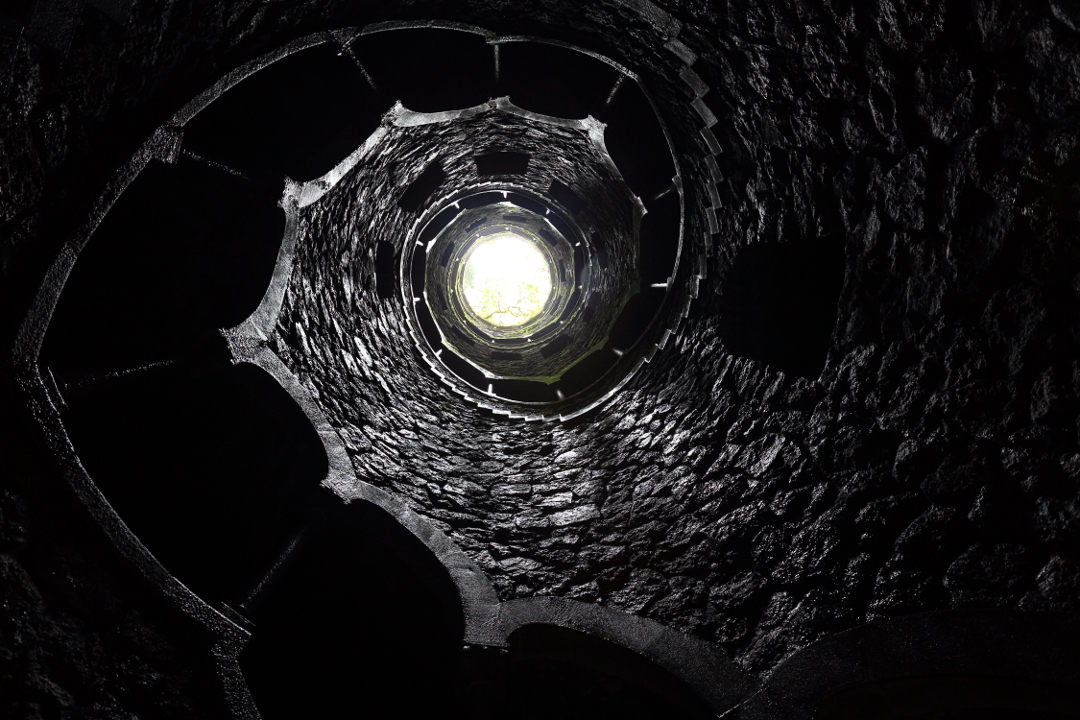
<point x="506" y="279"/>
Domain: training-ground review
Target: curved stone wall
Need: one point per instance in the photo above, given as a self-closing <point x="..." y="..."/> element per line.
<point x="920" y="453"/>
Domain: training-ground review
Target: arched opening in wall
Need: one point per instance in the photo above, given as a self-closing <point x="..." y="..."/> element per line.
<point x="363" y="622"/>
<point x="211" y="467"/>
<point x="427" y="69"/>
<point x="422" y="187"/>
<point x="185" y="250"/>
<point x="297" y="117"/>
<point x="779" y="303"/>
<point x="555" y="672"/>
<point x="553" y="80"/>
<point x="384" y="270"/>
<point x="502" y="163"/>
<point x="952" y="697"/>
<point x="636" y="141"/>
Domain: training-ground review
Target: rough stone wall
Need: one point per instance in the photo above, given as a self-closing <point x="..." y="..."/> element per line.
<point x="934" y="464"/>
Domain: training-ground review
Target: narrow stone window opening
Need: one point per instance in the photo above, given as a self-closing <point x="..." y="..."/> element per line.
<point x="384" y="270"/>
<point x="567" y="197"/>
<point x="422" y="188"/>
<point x="502" y="163"/>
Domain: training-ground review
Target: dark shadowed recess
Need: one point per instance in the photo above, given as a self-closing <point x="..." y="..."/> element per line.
<point x="635" y="317"/>
<point x="952" y="697"/>
<point x="779" y="303"/>
<point x="211" y="469"/>
<point x="502" y="163"/>
<point x="660" y="239"/>
<point x="553" y="672"/>
<point x="428" y="69"/>
<point x="464" y="369"/>
<point x="554" y="80"/>
<point x="635" y="140"/>
<point x="422" y="188"/>
<point x="364" y="622"/>
<point x="565" y="196"/>
<point x="590" y="367"/>
<point x="385" y="267"/>
<point x="525" y="390"/>
<point x="298" y="117"/>
<point x="185" y="250"/>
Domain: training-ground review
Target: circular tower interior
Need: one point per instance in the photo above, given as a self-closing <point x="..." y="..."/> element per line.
<point x="626" y="359"/>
